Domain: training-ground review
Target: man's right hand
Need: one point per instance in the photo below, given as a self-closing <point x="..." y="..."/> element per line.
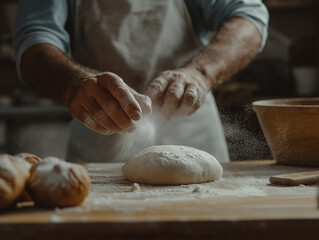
<point x="105" y="104"/>
<point x="102" y="102"/>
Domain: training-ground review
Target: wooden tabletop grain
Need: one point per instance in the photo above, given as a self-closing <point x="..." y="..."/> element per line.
<point x="243" y="205"/>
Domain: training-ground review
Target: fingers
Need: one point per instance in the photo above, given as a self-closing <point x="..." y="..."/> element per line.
<point x="84" y="117"/>
<point x="118" y="89"/>
<point x="189" y="101"/>
<point x="100" y="116"/>
<point x="108" y="112"/>
<point x="181" y="91"/>
<point x="98" y="110"/>
<point x="144" y="102"/>
<point x="113" y="111"/>
<point x="156" y="89"/>
<point x="172" y="98"/>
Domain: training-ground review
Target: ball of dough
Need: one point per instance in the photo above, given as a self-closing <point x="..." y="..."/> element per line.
<point x="169" y="164"/>
<point x="13" y="179"/>
<point x="55" y="183"/>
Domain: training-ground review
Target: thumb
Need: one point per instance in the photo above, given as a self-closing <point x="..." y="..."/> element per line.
<point x="144" y="101"/>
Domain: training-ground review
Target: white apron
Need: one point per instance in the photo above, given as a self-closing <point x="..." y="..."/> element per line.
<point x="138" y="39"/>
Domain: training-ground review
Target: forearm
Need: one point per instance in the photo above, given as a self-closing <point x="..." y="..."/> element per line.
<point x="100" y="101"/>
<point x="233" y="47"/>
<point x="52" y="73"/>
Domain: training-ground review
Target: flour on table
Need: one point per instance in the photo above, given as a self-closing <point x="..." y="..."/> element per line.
<point x="135" y="187"/>
<point x="169" y="164"/>
<point x="56" y="219"/>
<point x="111" y="192"/>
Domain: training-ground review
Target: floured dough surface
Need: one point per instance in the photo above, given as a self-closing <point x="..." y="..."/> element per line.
<point x="170" y="164"/>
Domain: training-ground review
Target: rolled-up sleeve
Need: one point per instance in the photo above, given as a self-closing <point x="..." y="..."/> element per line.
<point x="216" y="12"/>
<point x="40" y="21"/>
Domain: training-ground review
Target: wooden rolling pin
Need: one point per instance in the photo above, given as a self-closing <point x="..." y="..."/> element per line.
<point x="293" y="179"/>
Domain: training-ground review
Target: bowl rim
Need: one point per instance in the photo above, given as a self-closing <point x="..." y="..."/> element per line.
<point x="287" y="102"/>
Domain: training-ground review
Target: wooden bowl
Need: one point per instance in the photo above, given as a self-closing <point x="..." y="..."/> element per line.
<point x="291" y="128"/>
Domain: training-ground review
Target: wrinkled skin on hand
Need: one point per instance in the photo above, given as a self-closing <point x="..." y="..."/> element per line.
<point x="178" y="92"/>
<point x="105" y="104"/>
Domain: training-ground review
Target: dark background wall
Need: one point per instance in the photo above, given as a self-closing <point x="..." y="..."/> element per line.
<point x="286" y="68"/>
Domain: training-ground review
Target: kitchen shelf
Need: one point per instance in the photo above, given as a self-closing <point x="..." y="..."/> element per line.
<point x="35" y="112"/>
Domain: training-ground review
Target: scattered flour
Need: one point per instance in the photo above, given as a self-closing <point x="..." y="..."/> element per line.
<point x="198" y="189"/>
<point x="56" y="219"/>
<point x="113" y="193"/>
<point x="135" y="187"/>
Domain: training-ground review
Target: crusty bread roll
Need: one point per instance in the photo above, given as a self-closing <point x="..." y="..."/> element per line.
<point x="55" y="183"/>
<point x="13" y="179"/>
<point x="28" y="160"/>
<point x="28" y="157"/>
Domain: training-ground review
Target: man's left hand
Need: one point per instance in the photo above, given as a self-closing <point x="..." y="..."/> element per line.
<point x="179" y="92"/>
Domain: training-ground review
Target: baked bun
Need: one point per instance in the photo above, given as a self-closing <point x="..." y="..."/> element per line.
<point x="27" y="160"/>
<point x="28" y="157"/>
<point x="55" y="183"/>
<point x="13" y="179"/>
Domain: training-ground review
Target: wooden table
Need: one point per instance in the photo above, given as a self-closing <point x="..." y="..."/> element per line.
<point x="241" y="206"/>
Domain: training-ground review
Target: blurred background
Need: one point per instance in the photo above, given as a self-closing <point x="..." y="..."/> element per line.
<point x="286" y="68"/>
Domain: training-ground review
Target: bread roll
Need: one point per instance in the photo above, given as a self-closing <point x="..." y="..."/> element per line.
<point x="28" y="157"/>
<point x="55" y="183"/>
<point x="28" y="160"/>
<point x="13" y="179"/>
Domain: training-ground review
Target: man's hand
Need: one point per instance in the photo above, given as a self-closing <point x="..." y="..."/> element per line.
<point x="102" y="102"/>
<point x="105" y="104"/>
<point x="181" y="91"/>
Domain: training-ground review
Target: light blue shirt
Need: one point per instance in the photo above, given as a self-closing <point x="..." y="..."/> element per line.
<point x="44" y="21"/>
